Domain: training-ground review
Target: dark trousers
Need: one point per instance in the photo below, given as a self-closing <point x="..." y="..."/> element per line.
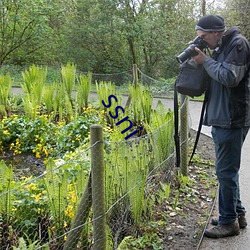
<point x="228" y="145"/>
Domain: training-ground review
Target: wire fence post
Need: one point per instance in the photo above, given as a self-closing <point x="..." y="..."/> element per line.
<point x="135" y="82"/>
<point x="98" y="195"/>
<point x="135" y="74"/>
<point x="184" y="135"/>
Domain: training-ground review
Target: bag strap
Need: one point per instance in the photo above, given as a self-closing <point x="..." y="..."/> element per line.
<point x="176" y="126"/>
<point x="199" y="127"/>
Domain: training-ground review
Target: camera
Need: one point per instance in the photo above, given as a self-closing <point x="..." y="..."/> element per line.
<point x="190" y="51"/>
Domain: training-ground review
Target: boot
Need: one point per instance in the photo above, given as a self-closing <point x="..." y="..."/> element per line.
<point x="221" y="231"/>
<point x="241" y="219"/>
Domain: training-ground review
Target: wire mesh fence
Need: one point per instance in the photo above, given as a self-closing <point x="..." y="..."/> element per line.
<point x="55" y="210"/>
<point x="42" y="210"/>
<point x="162" y="87"/>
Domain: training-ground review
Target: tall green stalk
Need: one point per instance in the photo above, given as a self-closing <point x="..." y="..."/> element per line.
<point x="83" y="91"/>
<point x="33" y="85"/>
<point x="5" y="90"/>
<point x="161" y="126"/>
<point x="137" y="180"/>
<point x="6" y="184"/>
<point x="146" y="104"/>
<point x="48" y="98"/>
<point x="62" y="106"/>
<point x="126" y="172"/>
<point x="56" y="185"/>
<point x="68" y="74"/>
<point x="104" y="90"/>
<point x="141" y="103"/>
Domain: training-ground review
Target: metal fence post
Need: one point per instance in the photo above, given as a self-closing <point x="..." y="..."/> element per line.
<point x="98" y="195"/>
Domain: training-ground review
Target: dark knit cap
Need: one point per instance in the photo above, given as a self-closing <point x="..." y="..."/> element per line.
<point x="210" y="23"/>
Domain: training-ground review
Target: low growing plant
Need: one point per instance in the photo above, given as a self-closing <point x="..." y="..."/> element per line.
<point x="43" y="137"/>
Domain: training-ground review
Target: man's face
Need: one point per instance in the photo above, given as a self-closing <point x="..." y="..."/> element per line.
<point x="211" y="38"/>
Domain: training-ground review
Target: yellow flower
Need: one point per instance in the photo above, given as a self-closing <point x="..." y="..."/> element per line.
<point x="45" y="151"/>
<point x="26" y="178"/>
<point x="6" y="132"/>
<point x="38" y="156"/>
<point x="16" y="152"/>
<point x="37" y="196"/>
<point x="69" y="211"/>
<point x="14" y="209"/>
<point x="31" y="187"/>
<point x="73" y="199"/>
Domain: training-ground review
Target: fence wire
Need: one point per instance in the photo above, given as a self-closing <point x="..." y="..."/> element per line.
<point x="48" y="203"/>
<point x="158" y="87"/>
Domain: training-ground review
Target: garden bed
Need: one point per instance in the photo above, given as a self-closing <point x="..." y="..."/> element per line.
<point x="178" y="222"/>
<point x="25" y="164"/>
<point x="150" y="204"/>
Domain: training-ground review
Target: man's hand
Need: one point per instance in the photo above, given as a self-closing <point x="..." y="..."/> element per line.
<point x="200" y="58"/>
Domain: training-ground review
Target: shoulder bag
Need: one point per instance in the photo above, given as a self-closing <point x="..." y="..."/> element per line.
<point x="192" y="79"/>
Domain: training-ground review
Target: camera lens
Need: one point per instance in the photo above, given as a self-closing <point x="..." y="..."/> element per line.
<point x="187" y="53"/>
<point x="190" y="51"/>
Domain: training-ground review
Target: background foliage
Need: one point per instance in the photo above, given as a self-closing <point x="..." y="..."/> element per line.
<point x="106" y="36"/>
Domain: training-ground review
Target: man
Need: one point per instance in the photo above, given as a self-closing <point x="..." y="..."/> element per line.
<point x="228" y="112"/>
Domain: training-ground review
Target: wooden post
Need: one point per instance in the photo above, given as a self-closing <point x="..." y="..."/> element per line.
<point x="135" y="74"/>
<point x="135" y="82"/>
<point x="98" y="195"/>
<point x="184" y="135"/>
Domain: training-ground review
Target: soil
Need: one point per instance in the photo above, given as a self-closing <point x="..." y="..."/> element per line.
<point x="25" y="164"/>
<point x="188" y="221"/>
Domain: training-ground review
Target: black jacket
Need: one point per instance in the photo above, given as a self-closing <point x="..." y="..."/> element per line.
<point x="229" y="90"/>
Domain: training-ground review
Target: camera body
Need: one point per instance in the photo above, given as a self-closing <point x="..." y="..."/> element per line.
<point x="190" y="51"/>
